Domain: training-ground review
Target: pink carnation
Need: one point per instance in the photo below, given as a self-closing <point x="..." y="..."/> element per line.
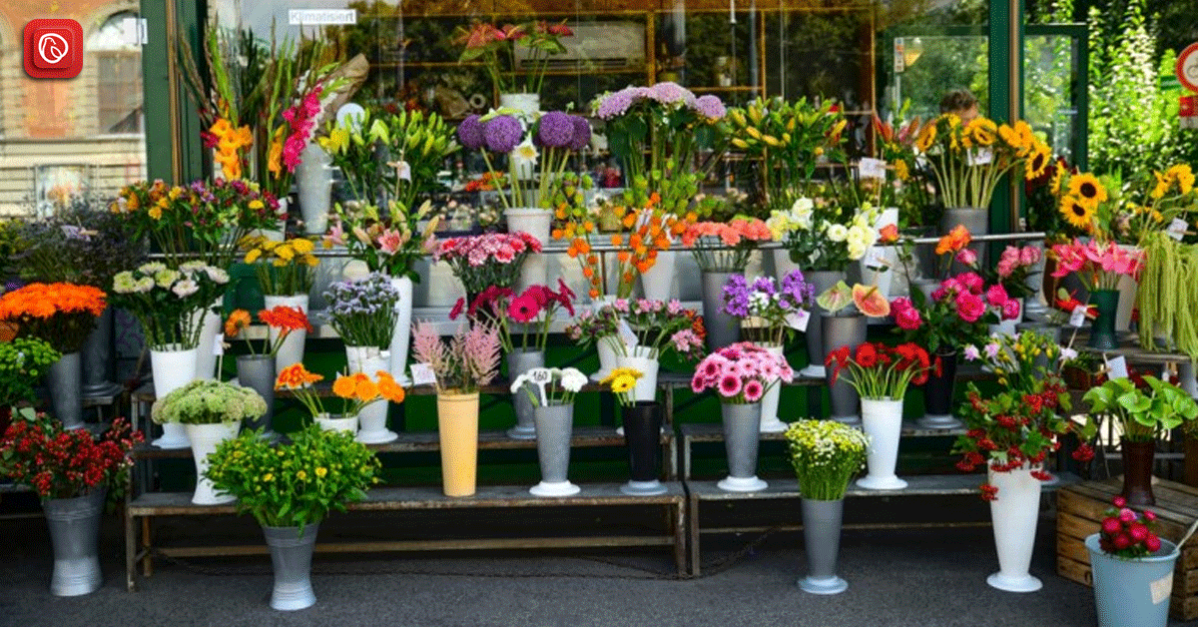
<point x="970" y="306"/>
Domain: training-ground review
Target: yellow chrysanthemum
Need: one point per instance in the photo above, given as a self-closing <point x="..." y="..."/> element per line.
<point x="253" y="255"/>
<point x="1184" y="177"/>
<point x="901" y="170"/>
<point x="1088" y="190"/>
<point x="1076" y="213"/>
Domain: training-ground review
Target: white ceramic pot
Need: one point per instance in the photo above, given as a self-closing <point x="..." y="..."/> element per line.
<point x="337" y="423"/>
<point x="770" y="422"/>
<point x="658" y="282"/>
<point x="1007" y="327"/>
<point x="172" y="369"/>
<point x="204" y="440"/>
<point x="639" y="358"/>
<point x="205" y="357"/>
<point x="608" y="348"/>
<point x="401" y="338"/>
<point x="367" y="359"/>
<point x="372" y="419"/>
<point x="882" y="421"/>
<point x="1014" y="514"/>
<point x="536" y="222"/>
<point x="314" y="178"/>
<point x="292" y="351"/>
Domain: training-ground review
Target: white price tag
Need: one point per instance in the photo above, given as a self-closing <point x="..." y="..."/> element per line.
<point x="875" y="258"/>
<point x="1177" y="229"/>
<point x="627" y="335"/>
<point x="871" y="168"/>
<point x="422" y="374"/>
<point x="798" y="321"/>
<point x="1078" y="317"/>
<point x="981" y="157"/>
<point x="1117" y="368"/>
<point x="404" y="170"/>
<point x="1162" y="589"/>
<point x="218" y="345"/>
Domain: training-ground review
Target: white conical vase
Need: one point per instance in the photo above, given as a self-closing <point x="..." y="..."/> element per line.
<point x="401" y="338"/>
<point x="658" y="281"/>
<point x="172" y="368"/>
<point x="292" y="350"/>
<point x="329" y="422"/>
<point x="314" y="178"/>
<point x="205" y="355"/>
<point x="372" y="419"/>
<point x="882" y="421"/>
<point x="770" y="422"/>
<point x="608" y="348"/>
<point x="204" y="440"/>
<point x="536" y="222"/>
<point x="1014" y="514"/>
<point x="640" y="358"/>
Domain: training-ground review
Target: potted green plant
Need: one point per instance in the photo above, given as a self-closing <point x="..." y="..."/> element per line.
<point x="24" y="361"/>
<point x="290" y="489"/>
<point x="1128" y="559"/>
<point x="826" y="455"/>
<point x="1145" y="407"/>
<point x="211" y="412"/>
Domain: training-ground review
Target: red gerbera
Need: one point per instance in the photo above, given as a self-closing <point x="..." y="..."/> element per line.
<point x="867" y="355"/>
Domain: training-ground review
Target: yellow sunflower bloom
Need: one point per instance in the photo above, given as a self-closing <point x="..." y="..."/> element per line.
<point x="1057" y="179"/>
<point x="1088" y="190"/>
<point x="982" y="131"/>
<point x="1184" y="177"/>
<point x="927" y="136"/>
<point x="1037" y="163"/>
<point x="1076" y="213"/>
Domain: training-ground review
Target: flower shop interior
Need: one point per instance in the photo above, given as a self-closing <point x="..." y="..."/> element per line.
<point x="727" y="302"/>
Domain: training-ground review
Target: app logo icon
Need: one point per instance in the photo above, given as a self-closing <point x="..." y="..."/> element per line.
<point x="53" y="48"/>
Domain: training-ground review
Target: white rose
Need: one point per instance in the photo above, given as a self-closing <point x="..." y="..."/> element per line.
<point x="856" y="251"/>
<point x="861" y="236"/>
<point x="836" y="232"/>
<point x="803" y="211"/>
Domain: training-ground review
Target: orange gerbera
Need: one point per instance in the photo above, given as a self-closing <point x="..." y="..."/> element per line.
<point x="285" y="318"/>
<point x="296" y="376"/>
<point x="344" y="386"/>
<point x="389" y="388"/>
<point x="366" y="390"/>
<point x="956" y="239"/>
<point x="238" y="320"/>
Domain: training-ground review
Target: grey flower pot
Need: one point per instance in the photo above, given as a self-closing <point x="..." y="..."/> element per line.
<point x="99" y="360"/>
<point x="75" y="535"/>
<point x="257" y="372"/>
<point x="977" y="220"/>
<point x="841" y="331"/>
<point x="742" y="429"/>
<point x="519" y="362"/>
<point x="555" y="428"/>
<point x="821" y="280"/>
<point x="291" y="556"/>
<point x="722" y="329"/>
<point x="821" y="538"/>
<point x="64" y="382"/>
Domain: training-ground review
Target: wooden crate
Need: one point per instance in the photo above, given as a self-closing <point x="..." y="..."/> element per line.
<point x="1080" y="510"/>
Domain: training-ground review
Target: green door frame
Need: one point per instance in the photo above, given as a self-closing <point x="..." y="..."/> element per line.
<point x="174" y="152"/>
<point x="1006" y="97"/>
<point x="1081" y="122"/>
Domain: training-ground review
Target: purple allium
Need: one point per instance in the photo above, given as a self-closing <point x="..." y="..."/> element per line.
<point x="671" y="93"/>
<point x="582" y="133"/>
<point x="502" y="133"/>
<point x="555" y="130"/>
<point x="470" y="132"/>
<point x="710" y="107"/>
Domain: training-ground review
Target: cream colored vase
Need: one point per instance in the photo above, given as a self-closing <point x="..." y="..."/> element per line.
<point x="457" y="425"/>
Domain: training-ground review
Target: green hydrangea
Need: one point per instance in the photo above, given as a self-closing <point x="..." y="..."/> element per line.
<point x="23" y="363"/>
<point x="208" y="402"/>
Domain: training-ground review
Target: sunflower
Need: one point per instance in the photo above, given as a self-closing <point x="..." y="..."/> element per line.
<point x="1087" y="190"/>
<point x="927" y="136"/>
<point x="1076" y="212"/>
<point x="1037" y="163"/>
<point x="984" y="132"/>
<point x="1057" y="179"/>
<point x="1184" y="177"/>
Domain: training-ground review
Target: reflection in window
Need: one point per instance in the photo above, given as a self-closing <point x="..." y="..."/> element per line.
<point x="118" y="75"/>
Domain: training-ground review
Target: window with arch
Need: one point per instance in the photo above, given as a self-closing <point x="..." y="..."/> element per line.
<point x="118" y="75"/>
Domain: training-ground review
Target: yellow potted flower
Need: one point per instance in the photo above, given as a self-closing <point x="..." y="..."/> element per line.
<point x="642" y="422"/>
<point x="285" y="274"/>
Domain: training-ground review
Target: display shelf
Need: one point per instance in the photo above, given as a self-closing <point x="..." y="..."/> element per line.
<point x="146" y="507"/>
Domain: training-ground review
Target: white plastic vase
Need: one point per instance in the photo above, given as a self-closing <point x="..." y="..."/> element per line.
<point x="205" y="356"/>
<point x="401" y="338"/>
<point x="314" y="178"/>
<point x="1014" y="514"/>
<point x="881" y="257"/>
<point x="639" y="358"/>
<point x="204" y="440"/>
<point x="782" y="263"/>
<point x="327" y="422"/>
<point x="608" y="348"/>
<point x="1128" y="289"/>
<point x="882" y="421"/>
<point x="658" y="281"/>
<point x="536" y="222"/>
<point x="365" y="359"/>
<point x="172" y="367"/>
<point x="770" y="422"/>
<point x="372" y="419"/>
<point x="292" y="350"/>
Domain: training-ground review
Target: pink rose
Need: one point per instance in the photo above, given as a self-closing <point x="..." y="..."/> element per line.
<point x="1029" y="256"/>
<point x="972" y="282"/>
<point x="1011" y="310"/>
<point x="970" y="306"/>
<point x="997" y="296"/>
<point x="967" y="257"/>
<point x="905" y="314"/>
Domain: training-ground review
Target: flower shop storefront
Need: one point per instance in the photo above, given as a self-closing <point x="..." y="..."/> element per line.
<point x="435" y="258"/>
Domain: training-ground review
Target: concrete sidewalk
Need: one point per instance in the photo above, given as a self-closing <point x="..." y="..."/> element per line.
<point x="897" y="578"/>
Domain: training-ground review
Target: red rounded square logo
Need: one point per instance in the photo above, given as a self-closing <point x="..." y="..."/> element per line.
<point x="53" y="48"/>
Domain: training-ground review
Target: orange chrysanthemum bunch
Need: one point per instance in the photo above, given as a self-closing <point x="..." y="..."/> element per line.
<point x="284" y="319"/>
<point x="356" y="391"/>
<point x="61" y="314"/>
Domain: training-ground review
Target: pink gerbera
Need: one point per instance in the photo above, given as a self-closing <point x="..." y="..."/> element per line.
<point x="523" y="308"/>
<point x="729" y="386"/>
<point x="754" y="391"/>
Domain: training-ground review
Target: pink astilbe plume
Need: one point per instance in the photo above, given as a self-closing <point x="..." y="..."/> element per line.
<point x="428" y="348"/>
<point x="477" y="350"/>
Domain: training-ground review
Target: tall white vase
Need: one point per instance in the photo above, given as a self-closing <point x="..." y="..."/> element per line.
<point x="292" y="350"/>
<point x="204" y="440"/>
<point x="314" y="178"/>
<point x="372" y="419"/>
<point x="782" y="263"/>
<point x="205" y="357"/>
<point x="173" y="367"/>
<point x="1128" y="289"/>
<point x="403" y="330"/>
<point x="882" y="421"/>
<point x="535" y="222"/>
<point x="608" y="348"/>
<point x="1014" y="513"/>
<point x="658" y="282"/>
<point x="640" y="358"/>
<point x="878" y="257"/>
<point x="770" y="422"/>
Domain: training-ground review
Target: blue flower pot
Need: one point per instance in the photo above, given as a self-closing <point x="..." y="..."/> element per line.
<point x="1132" y="592"/>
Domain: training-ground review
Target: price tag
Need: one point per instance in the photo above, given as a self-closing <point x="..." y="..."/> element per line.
<point x="798" y="321"/>
<point x="1078" y="317"/>
<point x="871" y="168"/>
<point x="403" y="170"/>
<point x="982" y="157"/>
<point x="1162" y="589"/>
<point x="875" y="258"/>
<point x="218" y="345"/>
<point x="1117" y="368"/>
<point x="422" y="374"/>
<point x="627" y="335"/>
<point x="1177" y="229"/>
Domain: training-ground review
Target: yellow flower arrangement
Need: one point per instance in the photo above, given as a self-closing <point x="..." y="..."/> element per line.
<point x="622" y="382"/>
<point x="969" y="159"/>
<point x="283" y="268"/>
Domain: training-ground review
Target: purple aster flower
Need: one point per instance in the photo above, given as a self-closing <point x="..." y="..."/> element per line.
<point x="710" y="107"/>
<point x="555" y="129"/>
<point x="671" y="93"/>
<point x="582" y="133"/>
<point x="502" y="133"/>
<point x="470" y="132"/>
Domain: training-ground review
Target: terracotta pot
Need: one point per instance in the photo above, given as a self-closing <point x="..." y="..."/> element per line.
<point x="457" y="425"/>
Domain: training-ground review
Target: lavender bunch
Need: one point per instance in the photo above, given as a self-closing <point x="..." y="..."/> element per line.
<point x="469" y="361"/>
<point x="78" y="244"/>
<point x="766" y="305"/>
<point x="364" y="311"/>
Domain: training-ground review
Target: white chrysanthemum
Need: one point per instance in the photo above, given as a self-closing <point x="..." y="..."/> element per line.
<point x="836" y="232"/>
<point x="166" y="278"/>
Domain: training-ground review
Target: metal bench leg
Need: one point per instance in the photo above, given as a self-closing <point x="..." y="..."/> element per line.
<point x="130" y="553"/>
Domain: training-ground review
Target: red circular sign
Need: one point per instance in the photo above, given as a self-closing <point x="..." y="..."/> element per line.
<point x="1187" y="67"/>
